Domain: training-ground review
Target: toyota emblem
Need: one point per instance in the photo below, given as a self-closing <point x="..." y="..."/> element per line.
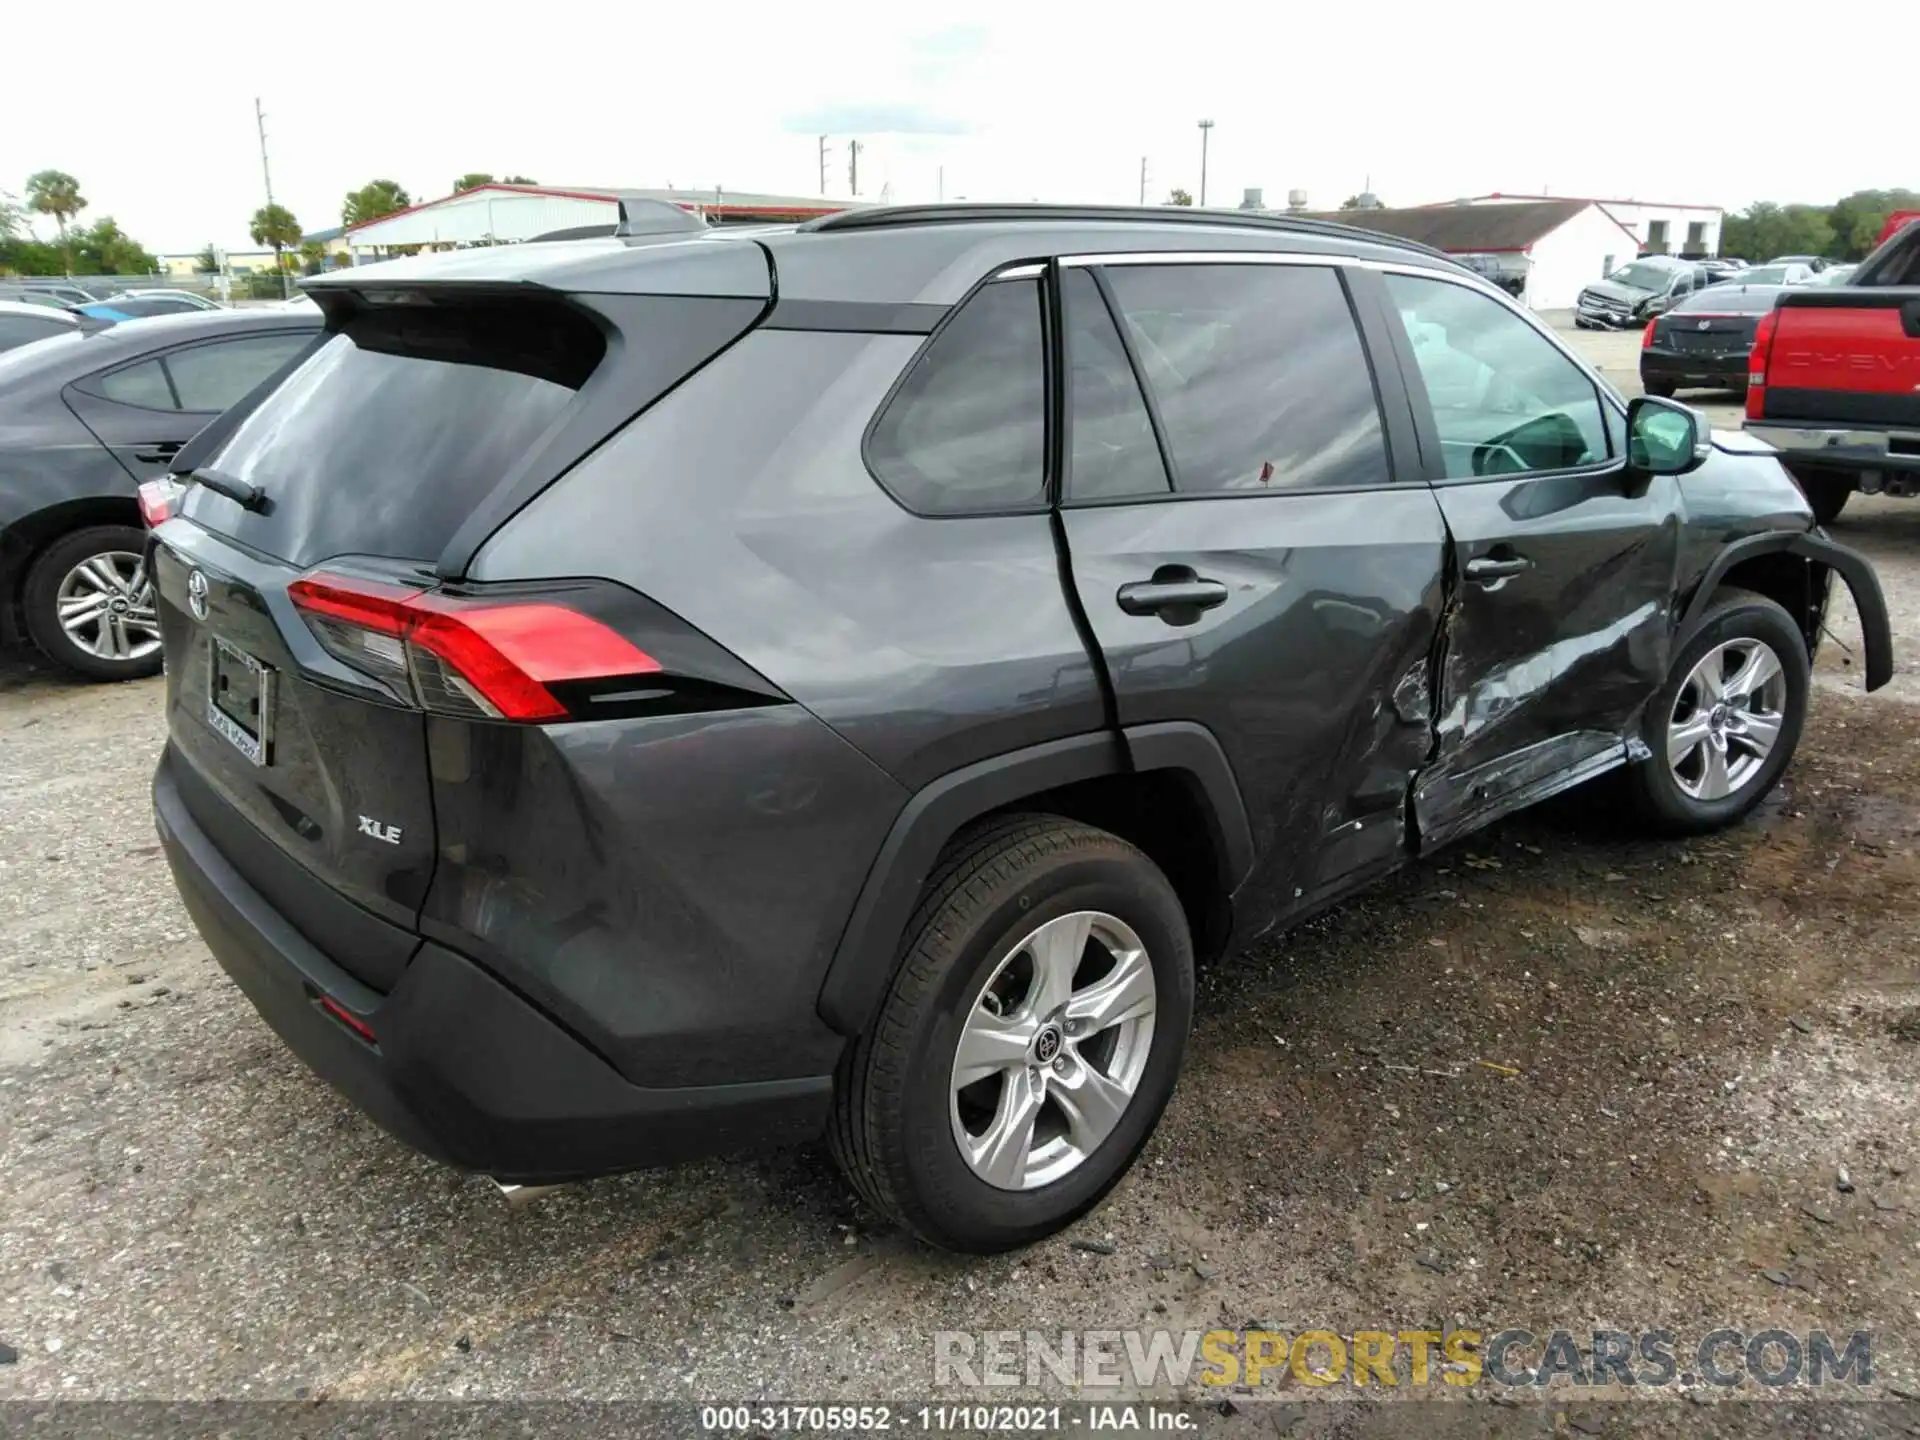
<point x="197" y="594"/>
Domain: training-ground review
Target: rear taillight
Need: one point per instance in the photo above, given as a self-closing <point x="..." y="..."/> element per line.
<point x="1757" y="364"/>
<point x="159" y="499"/>
<point x="493" y="659"/>
<point x="1646" y="337"/>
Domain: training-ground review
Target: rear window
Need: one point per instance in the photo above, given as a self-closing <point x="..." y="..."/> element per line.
<point x="393" y="432"/>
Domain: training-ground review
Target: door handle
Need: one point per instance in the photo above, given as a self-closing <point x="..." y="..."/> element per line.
<point x="1491" y="567"/>
<point x="1175" y="594"/>
<point x="159" y="451"/>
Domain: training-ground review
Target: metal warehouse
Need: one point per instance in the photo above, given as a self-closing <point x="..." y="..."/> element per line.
<point x="1556" y="246"/>
<point x="501" y="214"/>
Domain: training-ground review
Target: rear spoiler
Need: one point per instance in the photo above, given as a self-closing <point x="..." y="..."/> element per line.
<point x="643" y="215"/>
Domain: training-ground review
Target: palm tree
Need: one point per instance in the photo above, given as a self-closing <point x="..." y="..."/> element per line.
<point x="56" y="193"/>
<point x="274" y="225"/>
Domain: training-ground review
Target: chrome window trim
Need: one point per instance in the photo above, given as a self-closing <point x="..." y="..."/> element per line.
<point x="1466" y="280"/>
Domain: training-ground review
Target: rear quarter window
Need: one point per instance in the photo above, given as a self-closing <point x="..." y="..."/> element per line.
<point x="965" y="433"/>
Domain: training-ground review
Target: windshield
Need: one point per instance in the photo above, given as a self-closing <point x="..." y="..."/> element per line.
<point x="1642" y="277"/>
<point x="1763" y="275"/>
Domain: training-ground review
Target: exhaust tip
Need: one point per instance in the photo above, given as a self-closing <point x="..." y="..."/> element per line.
<point x="518" y="1197"/>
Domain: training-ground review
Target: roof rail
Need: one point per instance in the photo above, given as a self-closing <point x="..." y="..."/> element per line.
<point x="882" y="217"/>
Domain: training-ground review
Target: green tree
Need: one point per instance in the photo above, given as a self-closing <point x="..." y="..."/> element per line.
<point x="56" y="193"/>
<point x="1766" y="229"/>
<point x="313" y="256"/>
<point x="372" y="200"/>
<point x="1857" y="219"/>
<point x="13" y="219"/>
<point x="1177" y="196"/>
<point x="207" y="262"/>
<point x="472" y="180"/>
<point x="103" y="248"/>
<point x="274" y="225"/>
<point x="519" y="180"/>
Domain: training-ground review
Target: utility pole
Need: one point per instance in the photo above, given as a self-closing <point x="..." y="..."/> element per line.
<point x="1143" y="179"/>
<point x="1206" y="130"/>
<point x="854" y="147"/>
<point x="266" y="174"/>
<point x="823" y="165"/>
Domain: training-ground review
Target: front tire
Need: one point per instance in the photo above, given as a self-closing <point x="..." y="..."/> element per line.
<point x="90" y="607"/>
<point x="1725" y="724"/>
<point x="1029" y="1042"/>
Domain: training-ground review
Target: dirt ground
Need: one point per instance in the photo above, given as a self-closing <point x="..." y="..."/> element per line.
<point x="1683" y="1046"/>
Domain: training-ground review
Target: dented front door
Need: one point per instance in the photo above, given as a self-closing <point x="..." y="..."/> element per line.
<point x="1561" y="564"/>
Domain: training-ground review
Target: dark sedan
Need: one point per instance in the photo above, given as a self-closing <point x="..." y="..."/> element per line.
<point x="1703" y="341"/>
<point x="84" y="418"/>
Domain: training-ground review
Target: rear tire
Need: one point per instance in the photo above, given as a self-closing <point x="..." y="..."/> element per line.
<point x="1722" y="733"/>
<point x="997" y="918"/>
<point x="86" y="598"/>
<point x="1662" y="389"/>
<point x="1826" y="492"/>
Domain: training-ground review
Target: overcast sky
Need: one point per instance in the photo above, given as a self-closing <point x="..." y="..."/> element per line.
<point x="1012" y="102"/>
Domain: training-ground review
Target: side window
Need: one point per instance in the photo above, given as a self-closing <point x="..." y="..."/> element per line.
<point x="1115" y="453"/>
<point x="144" y="384"/>
<point x="1258" y="375"/>
<point x="1505" y="399"/>
<point x="25" y="329"/>
<point x="966" y="431"/>
<point x="212" y="377"/>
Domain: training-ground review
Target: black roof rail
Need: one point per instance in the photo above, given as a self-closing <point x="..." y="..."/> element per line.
<point x="882" y="217"/>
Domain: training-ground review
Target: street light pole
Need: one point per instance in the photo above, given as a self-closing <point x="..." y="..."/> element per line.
<point x="1206" y="129"/>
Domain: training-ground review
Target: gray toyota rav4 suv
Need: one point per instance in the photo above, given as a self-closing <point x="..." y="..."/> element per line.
<point x="648" y="696"/>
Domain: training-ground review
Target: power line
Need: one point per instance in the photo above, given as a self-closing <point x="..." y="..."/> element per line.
<point x="266" y="174"/>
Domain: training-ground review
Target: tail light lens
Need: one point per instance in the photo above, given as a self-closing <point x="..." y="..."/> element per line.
<point x="1646" y="336"/>
<point x="1757" y="364"/>
<point x="159" y="499"/>
<point x="491" y="659"/>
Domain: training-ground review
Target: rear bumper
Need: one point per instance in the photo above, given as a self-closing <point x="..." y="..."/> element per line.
<point x="1842" y="447"/>
<point x="1727" y="370"/>
<point x="462" y="1068"/>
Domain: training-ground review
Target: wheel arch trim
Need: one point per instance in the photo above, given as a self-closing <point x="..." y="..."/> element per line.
<point x="864" y="960"/>
<point x="1851" y="566"/>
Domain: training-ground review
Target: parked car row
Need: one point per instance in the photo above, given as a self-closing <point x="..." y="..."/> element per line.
<point x="85" y="416"/>
<point x="1654" y="284"/>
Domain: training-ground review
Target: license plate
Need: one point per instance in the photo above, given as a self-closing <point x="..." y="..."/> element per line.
<point x="239" y="699"/>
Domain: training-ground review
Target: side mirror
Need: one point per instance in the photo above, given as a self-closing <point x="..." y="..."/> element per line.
<point x="1663" y="437"/>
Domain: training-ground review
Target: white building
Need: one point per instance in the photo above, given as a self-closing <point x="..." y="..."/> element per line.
<point x="1557" y="246"/>
<point x="504" y="214"/>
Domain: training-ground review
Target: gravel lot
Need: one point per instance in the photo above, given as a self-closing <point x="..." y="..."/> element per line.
<point x="1702" y="1035"/>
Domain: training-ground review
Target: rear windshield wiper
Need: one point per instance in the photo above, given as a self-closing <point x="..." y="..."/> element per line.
<point x="247" y="497"/>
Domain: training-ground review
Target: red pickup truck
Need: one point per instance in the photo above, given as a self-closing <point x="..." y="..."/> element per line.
<point x="1834" y="377"/>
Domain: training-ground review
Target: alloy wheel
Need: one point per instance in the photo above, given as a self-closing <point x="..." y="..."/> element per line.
<point x="106" y="606"/>
<point x="1052" y="1050"/>
<point x="1726" y="719"/>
